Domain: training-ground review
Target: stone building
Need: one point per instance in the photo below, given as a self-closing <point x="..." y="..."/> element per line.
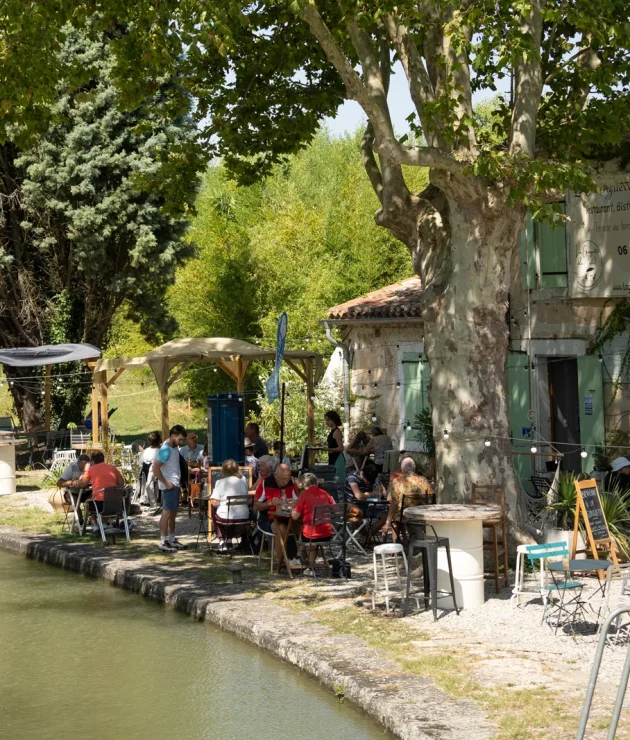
<point x="565" y="283"/>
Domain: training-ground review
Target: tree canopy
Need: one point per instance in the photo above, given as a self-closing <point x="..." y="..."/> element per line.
<point x="301" y="241"/>
<point x="84" y="223"/>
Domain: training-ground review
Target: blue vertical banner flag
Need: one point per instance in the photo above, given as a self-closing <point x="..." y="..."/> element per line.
<point x="273" y="382"/>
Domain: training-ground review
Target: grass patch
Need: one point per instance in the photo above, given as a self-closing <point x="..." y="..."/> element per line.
<point x="30" y="519"/>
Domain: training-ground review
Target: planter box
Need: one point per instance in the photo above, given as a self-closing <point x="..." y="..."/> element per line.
<point x="566" y="535"/>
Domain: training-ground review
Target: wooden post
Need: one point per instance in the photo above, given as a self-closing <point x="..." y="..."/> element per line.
<point x="104" y="411"/>
<point x="310" y="408"/>
<point x="240" y="375"/>
<point x="164" y="404"/>
<point x="94" y="410"/>
<point x="47" y="398"/>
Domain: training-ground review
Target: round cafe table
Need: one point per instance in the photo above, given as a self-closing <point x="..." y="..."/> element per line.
<point x="463" y="525"/>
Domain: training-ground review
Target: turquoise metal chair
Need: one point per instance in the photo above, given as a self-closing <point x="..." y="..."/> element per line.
<point x="554" y="594"/>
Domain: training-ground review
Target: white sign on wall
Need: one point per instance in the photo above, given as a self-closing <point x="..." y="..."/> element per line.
<point x="598" y="242"/>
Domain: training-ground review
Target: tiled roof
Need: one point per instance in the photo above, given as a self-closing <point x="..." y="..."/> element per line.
<point x="400" y="300"/>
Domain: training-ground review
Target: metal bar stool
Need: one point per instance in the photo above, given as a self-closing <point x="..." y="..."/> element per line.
<point x="429" y="547"/>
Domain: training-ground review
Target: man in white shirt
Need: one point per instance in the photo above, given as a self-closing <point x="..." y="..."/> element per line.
<point x="71" y="474"/>
<point x="166" y="469"/>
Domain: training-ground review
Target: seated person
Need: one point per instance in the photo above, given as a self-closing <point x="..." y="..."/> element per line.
<point x="618" y="478"/>
<point x="231" y="484"/>
<point x="269" y="494"/>
<point x="99" y="475"/>
<point x="266" y="466"/>
<point x="416" y="490"/>
<point x="360" y="484"/>
<point x="276" y="453"/>
<point x="71" y="473"/>
<point x="192" y="451"/>
<point x="311" y="497"/>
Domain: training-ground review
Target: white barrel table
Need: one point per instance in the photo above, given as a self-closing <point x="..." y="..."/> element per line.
<point x="463" y="525"/>
<point x="7" y="463"/>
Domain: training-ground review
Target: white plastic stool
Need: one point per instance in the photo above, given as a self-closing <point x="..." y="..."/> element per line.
<point x="519" y="588"/>
<point x="389" y="556"/>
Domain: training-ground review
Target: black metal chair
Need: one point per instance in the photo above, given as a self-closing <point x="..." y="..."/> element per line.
<point x="540" y="485"/>
<point x="114" y="507"/>
<point x="324" y="514"/>
<point x="231" y="526"/>
<point x="428" y="547"/>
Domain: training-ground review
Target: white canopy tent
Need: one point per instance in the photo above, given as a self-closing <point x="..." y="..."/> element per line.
<point x="170" y="360"/>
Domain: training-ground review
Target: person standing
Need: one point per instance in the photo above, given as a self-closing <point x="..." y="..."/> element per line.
<point x="334" y="444"/>
<point x="379" y="444"/>
<point x="167" y="470"/>
<point x="252" y="432"/>
<point x="149" y="486"/>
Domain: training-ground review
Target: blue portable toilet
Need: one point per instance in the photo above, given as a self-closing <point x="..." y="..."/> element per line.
<point x="226" y="428"/>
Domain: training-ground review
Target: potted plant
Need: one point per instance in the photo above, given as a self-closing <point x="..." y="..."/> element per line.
<point x="423" y="423"/>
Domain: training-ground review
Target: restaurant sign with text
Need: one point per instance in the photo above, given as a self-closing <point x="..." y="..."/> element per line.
<point x="598" y="242"/>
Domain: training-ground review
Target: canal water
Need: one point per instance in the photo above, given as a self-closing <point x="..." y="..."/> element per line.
<point x="80" y="658"/>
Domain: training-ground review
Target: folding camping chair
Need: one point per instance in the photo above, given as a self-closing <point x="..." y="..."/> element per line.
<point x="114" y="506"/>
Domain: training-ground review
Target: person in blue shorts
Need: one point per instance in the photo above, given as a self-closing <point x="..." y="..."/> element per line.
<point x="166" y="468"/>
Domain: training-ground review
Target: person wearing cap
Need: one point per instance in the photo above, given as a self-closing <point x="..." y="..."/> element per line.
<point x="250" y="460"/>
<point x="618" y="478"/>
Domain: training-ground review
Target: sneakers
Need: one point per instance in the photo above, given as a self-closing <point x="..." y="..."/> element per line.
<point x="177" y="545"/>
<point x="295" y="563"/>
<point x="308" y="572"/>
<point x="167" y="547"/>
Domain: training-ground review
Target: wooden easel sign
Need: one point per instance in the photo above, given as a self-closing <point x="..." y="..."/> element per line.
<point x="589" y="507"/>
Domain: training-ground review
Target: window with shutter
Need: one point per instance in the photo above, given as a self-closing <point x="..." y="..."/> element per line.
<point x="416" y="376"/>
<point x="551" y="241"/>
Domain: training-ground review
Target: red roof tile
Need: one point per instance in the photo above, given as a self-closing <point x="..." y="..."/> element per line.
<point x="400" y="300"/>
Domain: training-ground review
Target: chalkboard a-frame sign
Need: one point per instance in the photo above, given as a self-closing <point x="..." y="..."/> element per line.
<point x="589" y="508"/>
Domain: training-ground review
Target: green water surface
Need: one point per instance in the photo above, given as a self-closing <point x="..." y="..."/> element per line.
<point x="82" y="659"/>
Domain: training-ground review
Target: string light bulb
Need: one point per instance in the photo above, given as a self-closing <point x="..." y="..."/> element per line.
<point x="240" y="398"/>
<point x="408" y="426"/>
<point x="398" y="384"/>
<point x="584" y="454"/>
<point x="533" y="449"/>
<point x="374" y="417"/>
<point x="601" y="358"/>
<point x="446" y="434"/>
<point x="487" y="442"/>
<point x="375" y="385"/>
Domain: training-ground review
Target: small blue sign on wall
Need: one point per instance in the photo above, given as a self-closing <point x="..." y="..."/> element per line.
<point x="526" y="432"/>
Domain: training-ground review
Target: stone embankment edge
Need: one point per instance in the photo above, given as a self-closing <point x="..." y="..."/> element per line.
<point x="416" y="710"/>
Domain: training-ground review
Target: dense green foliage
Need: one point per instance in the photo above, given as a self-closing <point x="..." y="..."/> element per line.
<point x="302" y="241"/>
<point x="87" y="227"/>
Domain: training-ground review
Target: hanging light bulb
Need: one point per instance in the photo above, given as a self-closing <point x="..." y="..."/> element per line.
<point x="584" y="454"/>
<point x="446" y="435"/>
<point x="408" y="426"/>
<point x="487" y="442"/>
<point x="533" y="449"/>
<point x="230" y="396"/>
<point x="369" y="371"/>
<point x="375" y="385"/>
<point x="307" y="338"/>
<point x="601" y="358"/>
<point x="240" y="399"/>
<point x="312" y="398"/>
<point x="398" y="384"/>
<point x="374" y="417"/>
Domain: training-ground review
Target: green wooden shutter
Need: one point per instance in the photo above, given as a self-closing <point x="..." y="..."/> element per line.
<point x="518" y="408"/>
<point x="528" y="255"/>
<point x="591" y="400"/>
<point x="552" y="248"/>
<point x="416" y="376"/>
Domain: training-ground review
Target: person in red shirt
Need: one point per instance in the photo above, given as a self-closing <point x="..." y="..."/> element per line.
<point x="99" y="475"/>
<point x="273" y="491"/>
<point x="311" y="497"/>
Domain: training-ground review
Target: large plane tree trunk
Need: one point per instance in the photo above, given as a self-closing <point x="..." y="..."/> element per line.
<point x="466" y="342"/>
